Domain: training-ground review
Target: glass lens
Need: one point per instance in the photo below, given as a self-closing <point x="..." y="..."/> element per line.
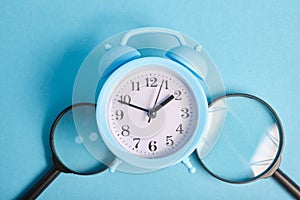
<point x="246" y="145"/>
<point x="68" y="145"/>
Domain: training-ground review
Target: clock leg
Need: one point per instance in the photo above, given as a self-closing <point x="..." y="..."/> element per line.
<point x="115" y="163"/>
<point x="187" y="163"/>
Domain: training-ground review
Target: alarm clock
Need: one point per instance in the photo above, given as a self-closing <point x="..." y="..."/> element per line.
<point x="152" y="94"/>
<point x="151" y="111"/>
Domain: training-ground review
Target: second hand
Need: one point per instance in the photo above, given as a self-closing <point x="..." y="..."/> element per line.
<point x="151" y="111"/>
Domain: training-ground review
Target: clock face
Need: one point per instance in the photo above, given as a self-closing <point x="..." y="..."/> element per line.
<point x="152" y="112"/>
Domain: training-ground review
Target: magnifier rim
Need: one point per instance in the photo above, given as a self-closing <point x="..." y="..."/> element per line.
<point x="281" y="137"/>
<point x="58" y="164"/>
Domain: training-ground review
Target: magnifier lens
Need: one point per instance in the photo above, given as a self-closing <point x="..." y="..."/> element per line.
<point x="68" y="145"/>
<point x="248" y="144"/>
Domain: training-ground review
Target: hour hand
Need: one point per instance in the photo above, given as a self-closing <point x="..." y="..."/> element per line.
<point x="134" y="106"/>
<point x="162" y="104"/>
<point x="152" y="112"/>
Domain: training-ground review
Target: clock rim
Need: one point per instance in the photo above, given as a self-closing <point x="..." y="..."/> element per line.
<point x="103" y="101"/>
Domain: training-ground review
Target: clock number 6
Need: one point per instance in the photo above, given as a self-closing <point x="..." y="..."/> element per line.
<point x="125" y="130"/>
<point x="152" y="146"/>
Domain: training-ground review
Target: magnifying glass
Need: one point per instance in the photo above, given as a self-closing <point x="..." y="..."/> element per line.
<point x="68" y="153"/>
<point x="248" y="144"/>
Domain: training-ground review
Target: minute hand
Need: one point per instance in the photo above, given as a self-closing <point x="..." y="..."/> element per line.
<point x="162" y="104"/>
<point x="134" y="106"/>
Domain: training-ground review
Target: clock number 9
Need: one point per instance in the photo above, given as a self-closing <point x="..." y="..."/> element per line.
<point x="152" y="146"/>
<point x="119" y="115"/>
<point x="125" y="130"/>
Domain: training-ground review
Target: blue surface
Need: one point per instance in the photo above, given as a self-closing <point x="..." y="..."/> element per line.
<point x="255" y="44"/>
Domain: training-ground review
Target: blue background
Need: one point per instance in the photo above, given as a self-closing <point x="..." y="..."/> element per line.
<point x="255" y="44"/>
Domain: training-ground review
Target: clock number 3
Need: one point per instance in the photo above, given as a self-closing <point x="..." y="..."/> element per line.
<point x="185" y="113"/>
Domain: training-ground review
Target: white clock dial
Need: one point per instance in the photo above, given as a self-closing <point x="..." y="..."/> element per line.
<point x="152" y="112"/>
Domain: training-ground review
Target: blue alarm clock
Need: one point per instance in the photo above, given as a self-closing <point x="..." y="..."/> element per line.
<point x="151" y="111"/>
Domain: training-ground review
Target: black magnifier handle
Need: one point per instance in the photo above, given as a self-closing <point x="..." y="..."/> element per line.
<point x="42" y="184"/>
<point x="287" y="183"/>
